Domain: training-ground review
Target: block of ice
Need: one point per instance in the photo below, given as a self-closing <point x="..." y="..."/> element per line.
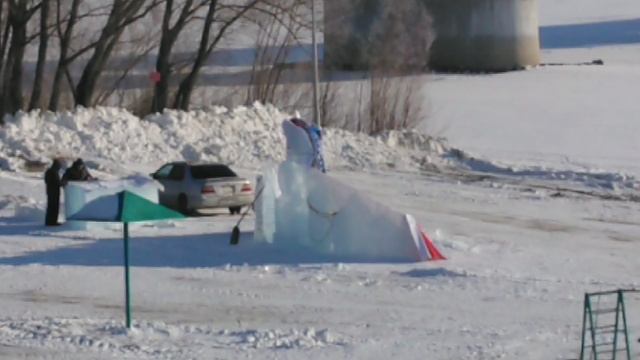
<point x="267" y="190"/>
<point x="299" y="147"/>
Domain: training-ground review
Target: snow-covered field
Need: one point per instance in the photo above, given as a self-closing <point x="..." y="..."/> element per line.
<point x="534" y="198"/>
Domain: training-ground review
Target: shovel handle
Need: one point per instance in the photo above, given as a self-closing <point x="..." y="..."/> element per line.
<point x="258" y="194"/>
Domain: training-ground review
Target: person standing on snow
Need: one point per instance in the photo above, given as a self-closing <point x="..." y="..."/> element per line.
<point x="53" y="183"/>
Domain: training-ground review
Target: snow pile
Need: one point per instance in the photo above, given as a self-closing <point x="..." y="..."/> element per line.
<point x="106" y="133"/>
<point x="248" y="136"/>
<point x="114" y="141"/>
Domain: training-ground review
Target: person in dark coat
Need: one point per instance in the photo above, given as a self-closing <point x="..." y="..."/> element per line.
<point x="53" y="183"/>
<point x="77" y="172"/>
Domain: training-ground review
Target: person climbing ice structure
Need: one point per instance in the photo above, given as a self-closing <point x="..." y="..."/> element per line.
<point x="306" y="149"/>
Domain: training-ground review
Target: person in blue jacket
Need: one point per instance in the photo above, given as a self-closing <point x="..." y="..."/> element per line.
<point x="315" y="135"/>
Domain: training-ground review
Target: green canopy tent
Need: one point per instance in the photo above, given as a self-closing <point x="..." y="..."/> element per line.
<point x="124" y="207"/>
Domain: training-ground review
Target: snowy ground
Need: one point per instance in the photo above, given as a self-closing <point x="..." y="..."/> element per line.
<point x="521" y="258"/>
<point x="541" y="205"/>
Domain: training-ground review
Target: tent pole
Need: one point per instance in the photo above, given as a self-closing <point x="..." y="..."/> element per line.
<point x="127" y="293"/>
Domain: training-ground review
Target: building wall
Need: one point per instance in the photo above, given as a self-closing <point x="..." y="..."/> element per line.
<point x="471" y="35"/>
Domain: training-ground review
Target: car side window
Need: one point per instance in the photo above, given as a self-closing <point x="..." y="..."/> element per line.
<point x="164" y="172"/>
<point x="177" y="173"/>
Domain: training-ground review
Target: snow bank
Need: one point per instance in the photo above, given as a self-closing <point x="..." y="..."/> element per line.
<point x="248" y="136"/>
<point x="115" y="141"/>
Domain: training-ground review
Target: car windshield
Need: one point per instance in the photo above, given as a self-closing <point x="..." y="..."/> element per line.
<point x="211" y="171"/>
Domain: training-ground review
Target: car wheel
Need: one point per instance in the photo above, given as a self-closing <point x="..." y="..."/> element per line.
<point x="235" y="209"/>
<point x="183" y="204"/>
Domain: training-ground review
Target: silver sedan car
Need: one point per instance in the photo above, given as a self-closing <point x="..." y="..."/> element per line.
<point x="189" y="187"/>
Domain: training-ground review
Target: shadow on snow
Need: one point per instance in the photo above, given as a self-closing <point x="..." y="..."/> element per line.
<point x="176" y="251"/>
<point x="428" y="273"/>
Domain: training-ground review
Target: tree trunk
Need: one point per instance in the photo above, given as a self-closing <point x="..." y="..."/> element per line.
<point x="169" y="36"/>
<point x="183" y="96"/>
<point x="4" y="40"/>
<point x="18" y="43"/>
<point x="56" y="86"/>
<point x="4" y="36"/>
<point x="12" y="91"/>
<point x="161" y="89"/>
<point x="91" y="73"/>
<point x="36" y="101"/>
<point x="65" y="43"/>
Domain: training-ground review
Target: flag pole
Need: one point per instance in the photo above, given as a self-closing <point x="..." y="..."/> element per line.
<point x="127" y="293"/>
<point x="316" y="75"/>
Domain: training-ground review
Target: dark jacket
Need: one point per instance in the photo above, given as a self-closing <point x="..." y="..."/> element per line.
<point x="52" y="179"/>
<point x="77" y="172"/>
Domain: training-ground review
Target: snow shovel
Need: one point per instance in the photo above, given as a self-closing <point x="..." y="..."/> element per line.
<point x="235" y="233"/>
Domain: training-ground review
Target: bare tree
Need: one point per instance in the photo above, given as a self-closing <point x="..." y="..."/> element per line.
<point x="35" y="101"/>
<point x="398" y="48"/>
<point x="18" y="16"/>
<point x="279" y="29"/>
<point x="137" y="51"/>
<point x="224" y="16"/>
<point x="169" y="36"/>
<point x="390" y="41"/>
<point x="64" y="28"/>
<point x="395" y="103"/>
<point x="123" y="13"/>
<point x="5" y="31"/>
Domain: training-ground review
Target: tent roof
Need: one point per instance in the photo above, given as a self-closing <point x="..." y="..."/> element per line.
<point x="124" y="206"/>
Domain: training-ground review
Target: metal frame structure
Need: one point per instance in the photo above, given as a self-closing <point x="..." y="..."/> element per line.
<point x="602" y="340"/>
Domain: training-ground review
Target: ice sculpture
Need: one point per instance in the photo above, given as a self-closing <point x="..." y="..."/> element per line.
<point x="299" y="206"/>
